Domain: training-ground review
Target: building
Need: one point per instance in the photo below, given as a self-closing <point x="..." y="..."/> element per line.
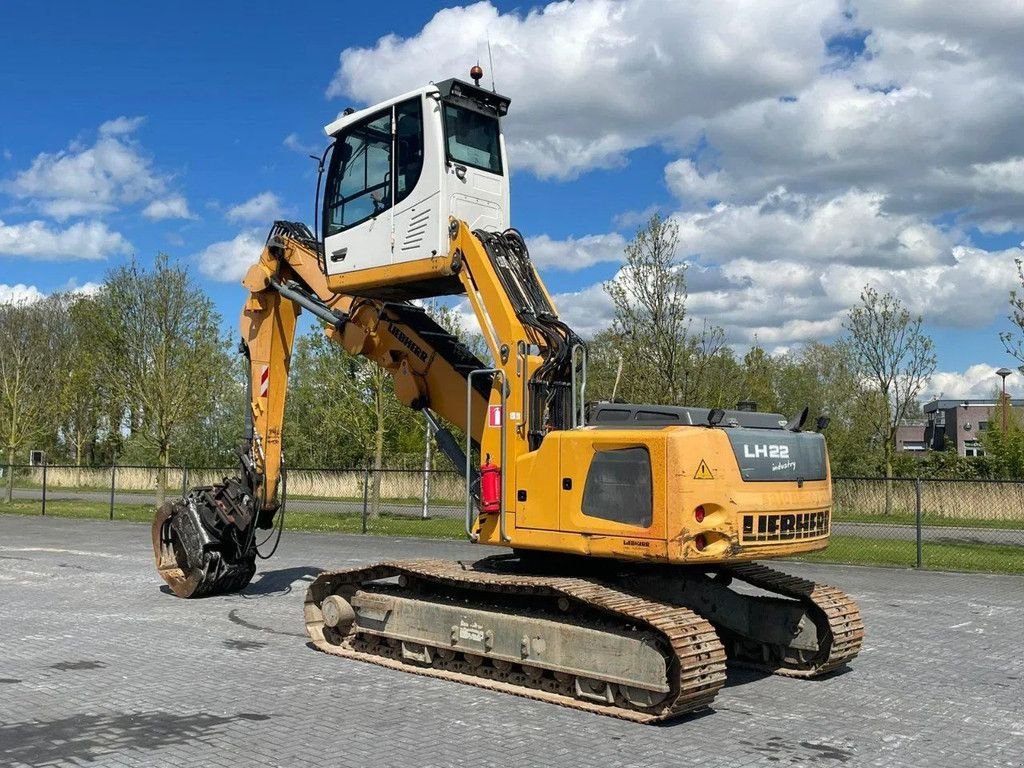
<point x="910" y="437"/>
<point x="958" y="422"/>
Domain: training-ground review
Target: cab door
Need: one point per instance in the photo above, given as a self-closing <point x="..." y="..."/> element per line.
<point x="357" y="234"/>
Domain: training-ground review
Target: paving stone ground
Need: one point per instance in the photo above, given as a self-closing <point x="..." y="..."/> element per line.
<point x="99" y="666"/>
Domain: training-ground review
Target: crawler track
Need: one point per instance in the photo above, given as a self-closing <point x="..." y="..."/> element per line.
<point x="840" y="627"/>
<point x="694" y="658"/>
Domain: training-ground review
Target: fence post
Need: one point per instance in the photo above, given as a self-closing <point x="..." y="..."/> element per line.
<point x="917" y="514"/>
<point x="44" y="488"/>
<point x="366" y="496"/>
<point x="428" y="439"/>
<point x="113" y="474"/>
<point x="425" y="513"/>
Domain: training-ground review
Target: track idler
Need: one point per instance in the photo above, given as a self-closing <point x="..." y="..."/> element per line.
<point x="203" y="543"/>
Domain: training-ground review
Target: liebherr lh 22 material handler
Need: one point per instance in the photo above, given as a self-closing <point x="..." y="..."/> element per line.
<point x="630" y="526"/>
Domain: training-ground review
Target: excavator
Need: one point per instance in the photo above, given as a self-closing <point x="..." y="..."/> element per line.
<point x="629" y="532"/>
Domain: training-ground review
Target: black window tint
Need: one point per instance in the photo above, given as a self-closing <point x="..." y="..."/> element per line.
<point x="409" y="147"/>
<point x="360" y="174"/>
<point x="472" y="138"/>
<point x="619" y="487"/>
<point x="655" y="416"/>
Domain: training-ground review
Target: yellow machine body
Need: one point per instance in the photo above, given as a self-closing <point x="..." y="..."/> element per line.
<point x="691" y="469"/>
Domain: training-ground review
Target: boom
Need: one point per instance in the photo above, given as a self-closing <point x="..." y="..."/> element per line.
<point x="429" y="365"/>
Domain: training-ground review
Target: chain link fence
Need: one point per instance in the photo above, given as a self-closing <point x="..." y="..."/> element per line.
<point x="923" y="523"/>
<point x="394" y="502"/>
<point x="906" y="522"/>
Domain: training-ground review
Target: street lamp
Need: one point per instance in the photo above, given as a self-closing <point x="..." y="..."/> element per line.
<point x="1003" y="373"/>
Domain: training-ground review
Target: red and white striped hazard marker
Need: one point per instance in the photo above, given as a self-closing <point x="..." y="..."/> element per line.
<point x="265" y="381"/>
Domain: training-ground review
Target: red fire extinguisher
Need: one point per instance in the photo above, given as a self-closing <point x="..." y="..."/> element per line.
<point x="490" y="486"/>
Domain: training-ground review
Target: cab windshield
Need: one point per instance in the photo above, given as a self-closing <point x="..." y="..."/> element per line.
<point x="472" y="138"/>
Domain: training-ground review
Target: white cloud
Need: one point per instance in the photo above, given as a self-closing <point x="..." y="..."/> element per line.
<point x="295" y="144"/>
<point x="89" y="288"/>
<point x="586" y="311"/>
<point x="575" y="253"/>
<point x="83" y="180"/>
<point x="978" y="381"/>
<point x="39" y="241"/>
<point x="16" y="294"/>
<point x="801" y="172"/>
<point x="229" y="260"/>
<point x="593" y="79"/>
<point x="789" y="298"/>
<point x="264" y="207"/>
<point x="172" y="207"/>
<point x="850" y="228"/>
<point x="748" y="92"/>
<point x="929" y="117"/>
<point x="121" y="126"/>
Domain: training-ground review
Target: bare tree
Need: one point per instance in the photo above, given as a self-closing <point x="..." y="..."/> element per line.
<point x="649" y="295"/>
<point x="30" y="370"/>
<point x="663" y="361"/>
<point x="158" y="343"/>
<point x="1015" y="344"/>
<point x="894" y="358"/>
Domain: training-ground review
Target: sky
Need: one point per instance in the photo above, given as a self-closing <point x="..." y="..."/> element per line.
<point x="805" y="148"/>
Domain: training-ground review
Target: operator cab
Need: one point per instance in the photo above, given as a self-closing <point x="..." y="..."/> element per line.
<point x="397" y="171"/>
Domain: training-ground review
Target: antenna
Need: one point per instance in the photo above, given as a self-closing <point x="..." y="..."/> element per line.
<point x="490" y="63"/>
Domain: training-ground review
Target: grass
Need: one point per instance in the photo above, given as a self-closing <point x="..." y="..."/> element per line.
<point x="385" y="525"/>
<point x="95" y="510"/>
<point x="932" y="521"/>
<point x="860" y="550"/>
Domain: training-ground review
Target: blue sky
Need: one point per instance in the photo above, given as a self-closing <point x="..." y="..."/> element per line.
<point x="805" y="151"/>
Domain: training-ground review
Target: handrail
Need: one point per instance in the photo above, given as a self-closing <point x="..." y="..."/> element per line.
<point x="522" y="351"/>
<point x="502" y="456"/>
<point x="579" y="414"/>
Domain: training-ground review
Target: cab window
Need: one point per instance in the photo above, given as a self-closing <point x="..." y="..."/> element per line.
<point x="472" y="138"/>
<point x="360" y="176"/>
<point x="359" y="181"/>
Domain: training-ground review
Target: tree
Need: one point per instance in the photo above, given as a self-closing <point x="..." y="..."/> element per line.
<point x="1015" y="345"/>
<point x="824" y="379"/>
<point x="760" y="374"/>
<point x="30" y="370"/>
<point x="83" y="389"/>
<point x="159" y="348"/>
<point x="213" y="439"/>
<point x="604" y="366"/>
<point x="1004" y="450"/>
<point x="894" y="359"/>
<point x="663" y="362"/>
<point x="342" y="411"/>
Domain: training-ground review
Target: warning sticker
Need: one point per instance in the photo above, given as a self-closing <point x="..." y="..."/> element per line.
<point x="703" y="473"/>
<point x="494" y="415"/>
